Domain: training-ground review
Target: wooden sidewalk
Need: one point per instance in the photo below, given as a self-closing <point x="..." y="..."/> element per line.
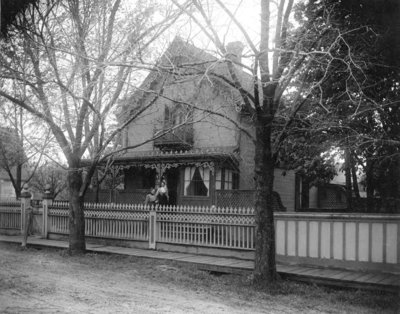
<point x="325" y="276"/>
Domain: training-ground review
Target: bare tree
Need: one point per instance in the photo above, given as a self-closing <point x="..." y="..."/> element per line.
<point x="289" y="66"/>
<point x="61" y="52"/>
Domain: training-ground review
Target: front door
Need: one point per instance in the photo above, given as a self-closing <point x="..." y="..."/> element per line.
<point x="172" y="176"/>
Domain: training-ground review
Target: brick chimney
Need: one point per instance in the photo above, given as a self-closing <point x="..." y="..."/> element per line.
<point x="234" y="51"/>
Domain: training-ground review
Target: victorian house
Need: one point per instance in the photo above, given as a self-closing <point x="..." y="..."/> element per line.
<point x="191" y="131"/>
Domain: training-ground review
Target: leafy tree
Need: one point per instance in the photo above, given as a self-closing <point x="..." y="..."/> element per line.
<point x="9" y="10"/>
<point x="365" y="110"/>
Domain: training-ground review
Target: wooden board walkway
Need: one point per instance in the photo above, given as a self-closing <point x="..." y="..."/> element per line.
<point x="325" y="276"/>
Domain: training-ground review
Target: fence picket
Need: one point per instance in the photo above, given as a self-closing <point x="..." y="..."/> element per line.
<point x="219" y="227"/>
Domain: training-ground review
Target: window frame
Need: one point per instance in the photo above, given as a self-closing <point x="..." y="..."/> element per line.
<point x="226" y="179"/>
<point x="206" y="180"/>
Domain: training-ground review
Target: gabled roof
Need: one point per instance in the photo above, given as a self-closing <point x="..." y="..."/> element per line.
<point x="197" y="64"/>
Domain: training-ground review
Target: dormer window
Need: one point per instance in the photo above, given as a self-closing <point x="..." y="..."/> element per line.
<point x="177" y="115"/>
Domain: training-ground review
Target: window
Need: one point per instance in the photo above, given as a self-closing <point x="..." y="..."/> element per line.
<point x="197" y="181"/>
<point x="176" y="115"/>
<point x="226" y="179"/>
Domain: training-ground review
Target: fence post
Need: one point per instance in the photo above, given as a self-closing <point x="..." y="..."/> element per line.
<point x="152" y="229"/>
<point x="47" y="201"/>
<point x="25" y="204"/>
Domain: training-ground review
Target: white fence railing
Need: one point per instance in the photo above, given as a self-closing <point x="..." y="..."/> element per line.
<point x="231" y="228"/>
<point x="10" y="214"/>
<point x="339" y="239"/>
<point x="114" y="221"/>
<point x="327" y="239"/>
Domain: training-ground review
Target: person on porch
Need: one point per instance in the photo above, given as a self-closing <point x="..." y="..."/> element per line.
<point x="162" y="194"/>
<point x="151" y="198"/>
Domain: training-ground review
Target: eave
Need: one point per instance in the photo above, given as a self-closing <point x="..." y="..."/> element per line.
<point x="179" y="158"/>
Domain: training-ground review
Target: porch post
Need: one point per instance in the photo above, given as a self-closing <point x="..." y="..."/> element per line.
<point x="25" y="206"/>
<point x="152" y="229"/>
<point x="47" y="201"/>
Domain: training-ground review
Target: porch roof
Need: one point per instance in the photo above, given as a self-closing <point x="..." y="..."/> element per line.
<point x="210" y="157"/>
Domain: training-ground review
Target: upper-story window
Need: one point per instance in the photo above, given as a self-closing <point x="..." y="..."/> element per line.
<point x="226" y="179"/>
<point x="197" y="181"/>
<point x="176" y="116"/>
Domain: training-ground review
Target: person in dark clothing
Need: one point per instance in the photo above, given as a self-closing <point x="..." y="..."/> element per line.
<point x="162" y="194"/>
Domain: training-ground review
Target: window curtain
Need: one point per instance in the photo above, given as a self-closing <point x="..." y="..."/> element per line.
<point x="189" y="173"/>
<point x="218" y="179"/>
<point x="205" y="176"/>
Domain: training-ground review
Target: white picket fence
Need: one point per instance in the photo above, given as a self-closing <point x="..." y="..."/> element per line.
<point x="231" y="228"/>
<point x="339" y="240"/>
<point x="202" y="226"/>
<point x="10" y="214"/>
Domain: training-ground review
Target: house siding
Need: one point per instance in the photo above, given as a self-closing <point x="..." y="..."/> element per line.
<point x="284" y="184"/>
<point x="143" y="129"/>
<point x="209" y="130"/>
<point x="6" y="189"/>
<point x="284" y="181"/>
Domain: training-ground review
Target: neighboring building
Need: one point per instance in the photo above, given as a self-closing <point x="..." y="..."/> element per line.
<point x="7" y="190"/>
<point x="206" y="161"/>
<point x="12" y="154"/>
<point x="328" y="197"/>
<point x="6" y="187"/>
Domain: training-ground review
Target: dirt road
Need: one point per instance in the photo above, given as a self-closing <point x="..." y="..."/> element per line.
<point x="46" y="281"/>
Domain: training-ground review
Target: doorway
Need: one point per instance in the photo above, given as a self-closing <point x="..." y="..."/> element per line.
<point x="172" y="177"/>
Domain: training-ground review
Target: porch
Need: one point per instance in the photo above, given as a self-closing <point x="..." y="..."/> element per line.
<point x="193" y="177"/>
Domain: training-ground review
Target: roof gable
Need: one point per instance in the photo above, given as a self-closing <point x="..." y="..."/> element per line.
<point x="182" y="58"/>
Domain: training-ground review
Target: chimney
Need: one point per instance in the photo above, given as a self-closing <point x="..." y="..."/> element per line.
<point x="234" y="51"/>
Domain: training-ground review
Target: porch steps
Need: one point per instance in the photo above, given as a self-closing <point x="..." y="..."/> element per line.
<point x="324" y="276"/>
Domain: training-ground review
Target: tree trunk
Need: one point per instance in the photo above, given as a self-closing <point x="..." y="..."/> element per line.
<point x="347" y="169"/>
<point x="76" y="216"/>
<point x="369" y="173"/>
<point x="355" y="181"/>
<point x="305" y="194"/>
<point x="264" y="263"/>
<point x="95" y="184"/>
<point x="18" y="178"/>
